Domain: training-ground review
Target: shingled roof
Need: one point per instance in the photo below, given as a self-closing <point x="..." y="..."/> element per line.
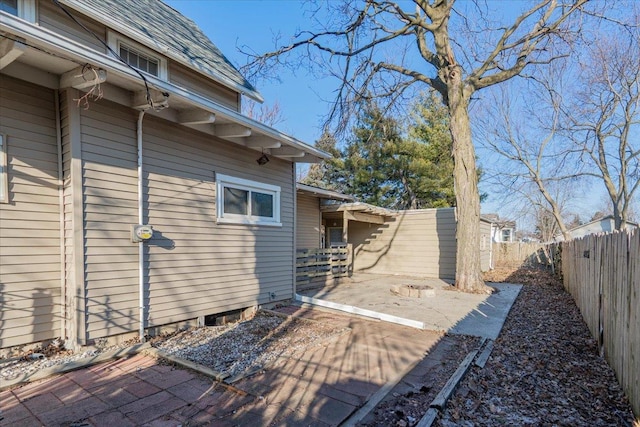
<point x="165" y="30"/>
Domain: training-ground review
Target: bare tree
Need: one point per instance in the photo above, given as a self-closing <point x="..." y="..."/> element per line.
<point x="535" y="163"/>
<point x="268" y="114"/>
<point x="380" y="49"/>
<point x="604" y="119"/>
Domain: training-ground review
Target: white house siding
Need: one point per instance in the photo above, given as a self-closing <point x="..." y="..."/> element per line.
<point x="30" y="285"/>
<point x="420" y="242"/>
<point x="196" y="266"/>
<point x="308" y="222"/>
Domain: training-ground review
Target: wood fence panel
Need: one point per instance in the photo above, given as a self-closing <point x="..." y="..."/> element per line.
<point x="317" y="265"/>
<point x="602" y="273"/>
<point x="632" y="381"/>
<point x="516" y="254"/>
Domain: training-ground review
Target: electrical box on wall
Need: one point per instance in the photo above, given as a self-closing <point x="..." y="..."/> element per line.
<point x="141" y="233"/>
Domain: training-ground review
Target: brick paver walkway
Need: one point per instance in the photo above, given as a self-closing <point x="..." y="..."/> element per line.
<point x="321" y="387"/>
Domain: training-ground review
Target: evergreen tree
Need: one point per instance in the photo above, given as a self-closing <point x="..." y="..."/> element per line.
<point x="390" y="165"/>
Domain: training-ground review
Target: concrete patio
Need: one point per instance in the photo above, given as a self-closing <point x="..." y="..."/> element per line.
<point x="447" y="310"/>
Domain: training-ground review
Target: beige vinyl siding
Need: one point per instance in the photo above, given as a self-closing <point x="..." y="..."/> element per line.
<point x="192" y="81"/>
<point x="485" y="246"/>
<point x="308" y="222"/>
<point x="53" y="18"/>
<point x="30" y="222"/>
<point x="418" y="242"/>
<point x="196" y="266"/>
<point x="109" y="200"/>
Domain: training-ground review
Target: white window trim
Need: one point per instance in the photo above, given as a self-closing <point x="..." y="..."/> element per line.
<point x="4" y="173"/>
<point x="114" y="40"/>
<point x="223" y="181"/>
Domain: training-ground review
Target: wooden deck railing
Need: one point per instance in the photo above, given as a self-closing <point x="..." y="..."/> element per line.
<point x="321" y="264"/>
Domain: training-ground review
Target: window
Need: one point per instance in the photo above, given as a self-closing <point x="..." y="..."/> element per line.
<point x="506" y="235"/>
<point x="139" y="60"/>
<point x="138" y="56"/>
<point x="25" y="9"/>
<point x="4" y="177"/>
<point x="241" y="201"/>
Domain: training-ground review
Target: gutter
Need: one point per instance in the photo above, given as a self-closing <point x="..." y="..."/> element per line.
<point x="63" y="46"/>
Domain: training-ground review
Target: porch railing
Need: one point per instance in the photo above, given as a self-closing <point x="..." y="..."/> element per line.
<point x="319" y="265"/>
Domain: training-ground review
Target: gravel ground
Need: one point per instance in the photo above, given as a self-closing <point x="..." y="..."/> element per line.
<point x="232" y="349"/>
<point x="247" y="346"/>
<point x="544" y="368"/>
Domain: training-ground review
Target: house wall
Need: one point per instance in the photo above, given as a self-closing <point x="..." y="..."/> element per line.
<point x="30" y="259"/>
<point x="308" y="222"/>
<point x="193" y="81"/>
<point x="193" y="266"/>
<point x="605" y="225"/>
<point x="109" y="203"/>
<point x="420" y="242"/>
<point x="196" y="266"/>
<point x="53" y="18"/>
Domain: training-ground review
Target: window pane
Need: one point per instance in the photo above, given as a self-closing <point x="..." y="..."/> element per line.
<point x="261" y="204"/>
<point x="9" y="6"/>
<point x="153" y="67"/>
<point x="235" y="201"/>
<point x="143" y="65"/>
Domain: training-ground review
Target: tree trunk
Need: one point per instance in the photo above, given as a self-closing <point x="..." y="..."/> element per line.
<point x="468" y="270"/>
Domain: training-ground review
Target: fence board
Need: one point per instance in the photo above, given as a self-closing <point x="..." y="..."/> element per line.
<point x="602" y="273"/>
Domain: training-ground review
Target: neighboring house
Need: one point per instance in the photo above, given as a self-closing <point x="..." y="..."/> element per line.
<point x="92" y="146"/>
<point x="502" y="231"/>
<point x="603" y="225"/>
<point x="417" y="242"/>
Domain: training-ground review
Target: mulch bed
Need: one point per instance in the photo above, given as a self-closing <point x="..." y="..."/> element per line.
<point x="544" y="369"/>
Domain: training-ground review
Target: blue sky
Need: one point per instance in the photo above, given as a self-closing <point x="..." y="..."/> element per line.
<point x="303" y="100"/>
<point x="255" y="23"/>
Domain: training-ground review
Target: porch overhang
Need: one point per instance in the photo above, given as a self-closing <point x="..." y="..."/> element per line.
<point x="356" y="211"/>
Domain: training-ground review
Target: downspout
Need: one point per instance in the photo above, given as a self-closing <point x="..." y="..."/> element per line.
<point x="295" y="229"/>
<point x="63" y="288"/>
<point x="140" y="221"/>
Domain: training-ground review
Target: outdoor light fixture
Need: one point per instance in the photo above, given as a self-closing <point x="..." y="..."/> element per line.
<point x="263" y="160"/>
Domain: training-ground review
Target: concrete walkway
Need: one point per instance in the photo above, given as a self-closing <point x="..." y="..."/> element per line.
<point x="320" y="387"/>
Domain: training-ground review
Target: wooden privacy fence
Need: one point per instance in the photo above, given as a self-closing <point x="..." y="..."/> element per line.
<point x="602" y="273"/>
<point x="516" y="254"/>
<point x="319" y="265"/>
